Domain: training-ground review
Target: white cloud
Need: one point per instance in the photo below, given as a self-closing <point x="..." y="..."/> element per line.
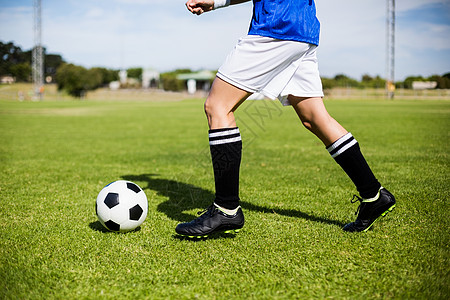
<point x="405" y="5"/>
<point x="432" y="35"/>
<point x="95" y="12"/>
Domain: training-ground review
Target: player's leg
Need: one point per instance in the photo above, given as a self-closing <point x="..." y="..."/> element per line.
<point x="222" y="101"/>
<point x="375" y="200"/>
<point x="315" y="118"/>
<point x="225" y="143"/>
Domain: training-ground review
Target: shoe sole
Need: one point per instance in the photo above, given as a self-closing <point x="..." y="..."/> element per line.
<point x="382" y="215"/>
<point x="206" y="235"/>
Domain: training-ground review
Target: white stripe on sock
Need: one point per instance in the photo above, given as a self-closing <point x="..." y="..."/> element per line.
<point x="339" y="142"/>
<point x="344" y="148"/>
<point x="225" y="141"/>
<point x="222" y="133"/>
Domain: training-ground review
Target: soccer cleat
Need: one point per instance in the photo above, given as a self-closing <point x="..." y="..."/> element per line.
<point x="370" y="211"/>
<point x="212" y="220"/>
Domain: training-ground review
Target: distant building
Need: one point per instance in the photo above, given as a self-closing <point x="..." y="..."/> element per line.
<point x="198" y="80"/>
<point x="424" y="85"/>
<point x="123" y="76"/>
<point x="114" y="85"/>
<point x="7" y="79"/>
<point x="150" y="78"/>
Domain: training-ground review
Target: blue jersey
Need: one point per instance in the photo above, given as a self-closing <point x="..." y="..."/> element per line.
<point x="293" y="20"/>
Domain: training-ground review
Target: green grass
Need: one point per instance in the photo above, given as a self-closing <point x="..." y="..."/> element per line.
<point x="56" y="156"/>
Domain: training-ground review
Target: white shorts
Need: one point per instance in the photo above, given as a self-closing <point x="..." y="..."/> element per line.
<point x="274" y="68"/>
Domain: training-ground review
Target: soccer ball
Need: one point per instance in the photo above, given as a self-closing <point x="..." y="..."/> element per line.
<point x="121" y="206"/>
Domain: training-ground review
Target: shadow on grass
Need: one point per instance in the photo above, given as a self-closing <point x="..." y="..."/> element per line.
<point x="97" y="226"/>
<point x="184" y="197"/>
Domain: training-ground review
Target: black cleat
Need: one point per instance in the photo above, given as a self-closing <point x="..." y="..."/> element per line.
<point x="369" y="212"/>
<point x="212" y="220"/>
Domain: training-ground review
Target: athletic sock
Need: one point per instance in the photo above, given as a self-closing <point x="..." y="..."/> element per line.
<point x="226" y="151"/>
<point x="373" y="199"/>
<point x="230" y="212"/>
<point x="347" y="154"/>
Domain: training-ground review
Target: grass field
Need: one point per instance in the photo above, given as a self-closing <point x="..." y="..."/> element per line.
<point x="56" y="156"/>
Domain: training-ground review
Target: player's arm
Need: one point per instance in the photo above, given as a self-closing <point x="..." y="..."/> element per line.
<point x="200" y="6"/>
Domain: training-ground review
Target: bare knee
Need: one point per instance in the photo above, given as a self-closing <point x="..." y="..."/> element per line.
<point x="206" y="107"/>
<point x="323" y="126"/>
<point x="218" y="116"/>
<point x="307" y="124"/>
<point x="212" y="110"/>
<point x="316" y="121"/>
<point x="310" y="111"/>
<point x="310" y="121"/>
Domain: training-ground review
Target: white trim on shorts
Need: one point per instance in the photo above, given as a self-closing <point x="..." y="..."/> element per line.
<point x="274" y="68"/>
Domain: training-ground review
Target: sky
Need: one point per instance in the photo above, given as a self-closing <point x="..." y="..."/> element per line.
<point x="163" y="35"/>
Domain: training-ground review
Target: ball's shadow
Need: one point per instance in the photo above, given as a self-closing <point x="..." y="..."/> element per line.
<point x="183" y="197"/>
<point x="97" y="226"/>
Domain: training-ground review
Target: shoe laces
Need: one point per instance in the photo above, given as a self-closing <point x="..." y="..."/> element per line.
<point x="209" y="210"/>
<point x="355" y="199"/>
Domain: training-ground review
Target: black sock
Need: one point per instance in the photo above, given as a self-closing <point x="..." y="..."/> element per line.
<point x="226" y="150"/>
<point x="347" y="154"/>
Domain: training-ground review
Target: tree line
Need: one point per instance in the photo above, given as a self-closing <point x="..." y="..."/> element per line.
<point x="341" y="80"/>
<point x="17" y="63"/>
<point x="76" y="80"/>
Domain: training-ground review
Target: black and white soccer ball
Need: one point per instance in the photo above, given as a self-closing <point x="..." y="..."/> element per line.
<point x="121" y="206"/>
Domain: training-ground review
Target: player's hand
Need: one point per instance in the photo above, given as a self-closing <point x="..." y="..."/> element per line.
<point x="198" y="7"/>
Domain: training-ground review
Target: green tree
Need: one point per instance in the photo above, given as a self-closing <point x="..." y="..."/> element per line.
<point x="342" y="80"/>
<point x="52" y="63"/>
<point x="108" y="75"/>
<point x="134" y="73"/>
<point x="72" y="79"/>
<point x="171" y="83"/>
<point x="407" y="83"/>
<point x="77" y="80"/>
<point x="10" y="55"/>
<point x="442" y="81"/>
<point x="94" y="79"/>
<point x="328" y="83"/>
<point x="22" y="71"/>
<point x="15" y="62"/>
<point x="366" y="78"/>
<point x="368" y="81"/>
